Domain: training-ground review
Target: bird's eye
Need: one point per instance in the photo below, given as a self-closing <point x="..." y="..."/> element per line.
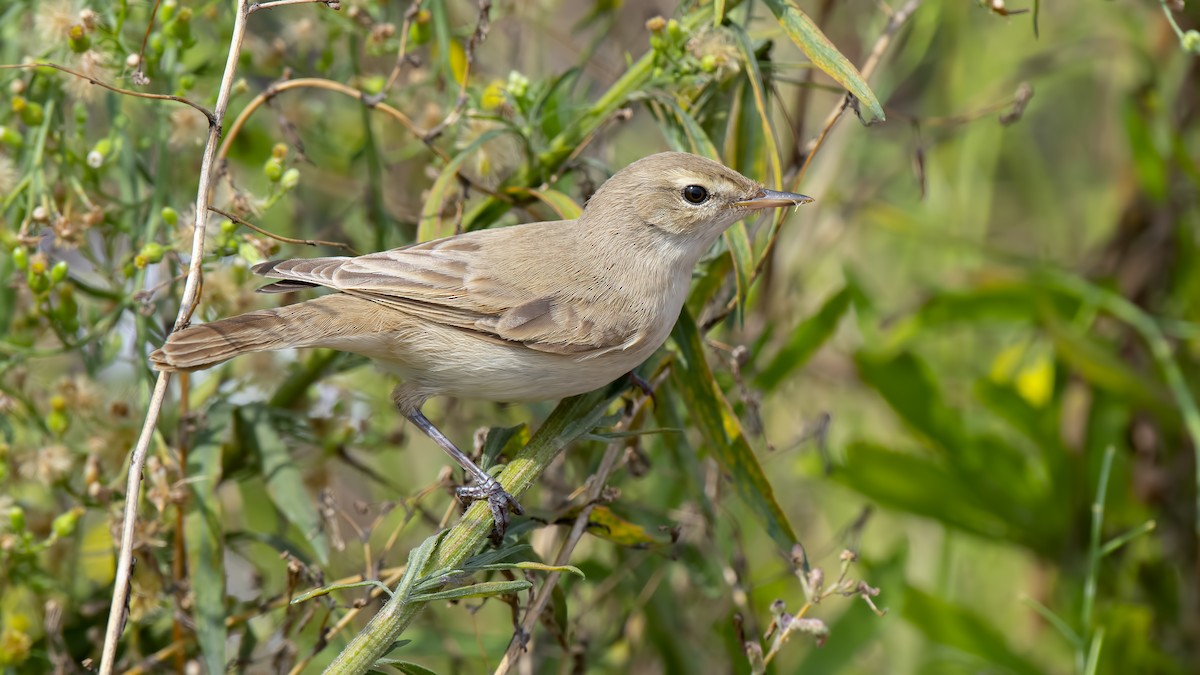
<point x="695" y="194"/>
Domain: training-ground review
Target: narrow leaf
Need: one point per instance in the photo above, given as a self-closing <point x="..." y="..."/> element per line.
<point x="758" y="86"/>
<point x="559" y="202"/>
<point x="824" y="55"/>
<point x="285" y="484"/>
<point x="480" y="590"/>
<point x="205" y="551"/>
<point x="723" y="432"/>
<point x="805" y="340"/>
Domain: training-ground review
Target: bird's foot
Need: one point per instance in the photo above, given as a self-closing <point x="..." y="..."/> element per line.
<point x="499" y="501"/>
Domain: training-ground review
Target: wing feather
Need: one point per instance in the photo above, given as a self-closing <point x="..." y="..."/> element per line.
<point x="449" y="283"/>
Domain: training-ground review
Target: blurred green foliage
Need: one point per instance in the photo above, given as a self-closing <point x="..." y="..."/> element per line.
<point x="971" y="366"/>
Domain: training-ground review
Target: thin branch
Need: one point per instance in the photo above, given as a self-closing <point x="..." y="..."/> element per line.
<point x="118" y="610"/>
<point x="127" y="92"/>
<point x="402" y="53"/>
<point x="331" y="4"/>
<point x="139" y="78"/>
<point x="895" y="22"/>
<point x="480" y="34"/>
<point x="331" y="85"/>
<point x="280" y="237"/>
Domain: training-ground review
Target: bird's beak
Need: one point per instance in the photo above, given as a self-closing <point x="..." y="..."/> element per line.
<point x="770" y="199"/>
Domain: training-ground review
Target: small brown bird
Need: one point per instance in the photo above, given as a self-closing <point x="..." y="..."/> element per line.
<point x="531" y="312"/>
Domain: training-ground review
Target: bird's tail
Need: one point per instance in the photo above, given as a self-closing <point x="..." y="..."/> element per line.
<point x="304" y="324"/>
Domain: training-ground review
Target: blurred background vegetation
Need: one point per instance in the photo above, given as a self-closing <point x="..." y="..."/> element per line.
<point x="968" y="371"/>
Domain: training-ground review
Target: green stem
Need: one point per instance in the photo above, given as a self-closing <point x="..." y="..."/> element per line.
<point x="1094" y="551"/>
<point x="572" y="418"/>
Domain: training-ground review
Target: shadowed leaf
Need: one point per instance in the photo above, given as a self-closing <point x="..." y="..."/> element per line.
<point x="205" y="547"/>
<point x="285" y="483"/>
<point x="721" y="428"/>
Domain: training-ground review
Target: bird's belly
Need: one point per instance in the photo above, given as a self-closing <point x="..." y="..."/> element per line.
<point x="453" y="363"/>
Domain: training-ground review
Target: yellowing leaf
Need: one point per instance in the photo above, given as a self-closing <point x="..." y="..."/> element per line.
<point x="824" y="55"/>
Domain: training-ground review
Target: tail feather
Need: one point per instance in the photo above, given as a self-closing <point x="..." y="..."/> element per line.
<point x="303" y="324"/>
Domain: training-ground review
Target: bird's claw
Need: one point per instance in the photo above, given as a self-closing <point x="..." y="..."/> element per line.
<point x="499" y="501"/>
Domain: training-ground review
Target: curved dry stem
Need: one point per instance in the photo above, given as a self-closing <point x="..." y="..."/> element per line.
<point x="315" y="83"/>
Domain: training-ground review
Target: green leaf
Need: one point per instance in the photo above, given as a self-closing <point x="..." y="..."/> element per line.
<point x="326" y="590"/>
<point x="919" y="486"/>
<point x="431" y="226"/>
<point x="285" y="483"/>
<point x="480" y="590"/>
<point x="529" y="565"/>
<point x="909" y="388"/>
<point x="962" y="629"/>
<point x="1100" y="365"/>
<point x="805" y="340"/>
<point x="561" y="203"/>
<point x="406" y="667"/>
<point x="205" y="548"/>
<point x="758" y="87"/>
<point x="824" y="55"/>
<point x="723" y="432"/>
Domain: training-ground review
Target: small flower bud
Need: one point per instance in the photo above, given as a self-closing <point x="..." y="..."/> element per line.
<point x="290" y="179"/>
<point x="518" y="84"/>
<point x="656" y="24"/>
<point x="78" y="39"/>
<point x="64" y="525"/>
<point x="151" y="253"/>
<point x="273" y="169"/>
<point x="59" y="271"/>
<point x="1191" y="41"/>
<point x="420" y="31"/>
<point x="279" y="150"/>
<point x="133" y="61"/>
<point x="11" y="138"/>
<point x="31" y="112"/>
<point x="169" y="215"/>
<point x="227" y="227"/>
<point x="16" y="519"/>
<point x="20" y="258"/>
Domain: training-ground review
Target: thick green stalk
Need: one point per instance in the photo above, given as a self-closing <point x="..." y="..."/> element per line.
<point x="572" y="418"/>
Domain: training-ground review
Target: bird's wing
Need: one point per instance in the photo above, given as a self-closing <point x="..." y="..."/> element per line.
<point x="443" y="283"/>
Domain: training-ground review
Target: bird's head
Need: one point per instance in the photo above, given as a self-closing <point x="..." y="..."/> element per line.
<point x="689" y="199"/>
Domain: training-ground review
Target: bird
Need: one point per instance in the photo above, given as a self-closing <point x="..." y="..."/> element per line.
<point x="529" y="312"/>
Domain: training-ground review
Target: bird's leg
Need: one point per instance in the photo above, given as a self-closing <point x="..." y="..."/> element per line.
<point x="485" y="487"/>
<point x="645" y="387"/>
